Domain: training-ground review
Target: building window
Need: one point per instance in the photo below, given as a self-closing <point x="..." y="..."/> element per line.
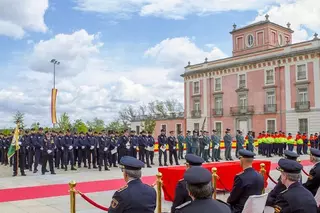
<point x="271" y="125"/>
<point x="178" y="128"/>
<point x="217" y="85"/>
<point x="196" y="106"/>
<point x="242" y="80"/>
<point x="218" y="103"/>
<point x="138" y="129"/>
<point x="270" y="76"/>
<point x="280" y="39"/>
<point x="196" y="87"/>
<point x="303" y="95"/>
<point x="271" y="98"/>
<point x="303" y="125"/>
<point x="250" y="40"/>
<point x="218" y="128"/>
<point x="196" y="126"/>
<point x="243" y="101"/>
<point x="301" y="72"/>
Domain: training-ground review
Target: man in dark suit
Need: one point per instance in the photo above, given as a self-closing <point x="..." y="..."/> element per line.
<point x="248" y="182"/>
<point x="200" y="189"/>
<point x="280" y="187"/>
<point x="313" y="181"/>
<point x="135" y="197"/>
<point x="182" y="194"/>
<point x="295" y="198"/>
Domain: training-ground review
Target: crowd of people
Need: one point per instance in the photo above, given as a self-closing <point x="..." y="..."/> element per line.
<point x="104" y="149"/>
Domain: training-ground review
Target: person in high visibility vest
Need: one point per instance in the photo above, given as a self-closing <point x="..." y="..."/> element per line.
<point x="299" y="142"/>
<point x="290" y="142"/>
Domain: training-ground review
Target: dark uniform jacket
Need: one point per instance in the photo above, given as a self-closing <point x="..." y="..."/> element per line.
<point x="247" y="183"/>
<point x="296" y="199"/>
<point x="313" y="181"/>
<point x="203" y="206"/>
<point x="181" y="195"/>
<point x="135" y="197"/>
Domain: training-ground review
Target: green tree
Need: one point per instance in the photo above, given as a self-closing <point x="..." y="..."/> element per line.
<point x="96" y="125"/>
<point x="64" y="122"/>
<point x="116" y="126"/>
<point x="19" y="118"/>
<point x="149" y="124"/>
<point x="6" y="132"/>
<point x="35" y="126"/>
<point x="79" y="126"/>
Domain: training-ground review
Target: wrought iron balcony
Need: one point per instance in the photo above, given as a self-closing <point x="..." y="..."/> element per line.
<point x="217" y="112"/>
<point x="242" y="110"/>
<point x="302" y="106"/>
<point x="196" y="113"/>
<point x="270" y="108"/>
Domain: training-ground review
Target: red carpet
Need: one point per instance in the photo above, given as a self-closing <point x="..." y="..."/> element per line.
<point x="35" y="192"/>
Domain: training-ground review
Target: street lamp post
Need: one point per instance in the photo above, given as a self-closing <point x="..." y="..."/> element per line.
<point x="54" y="62"/>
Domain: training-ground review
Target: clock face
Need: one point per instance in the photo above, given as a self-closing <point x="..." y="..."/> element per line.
<point x="250" y="40"/>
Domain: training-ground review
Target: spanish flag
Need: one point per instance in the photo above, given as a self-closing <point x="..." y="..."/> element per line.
<point x="14" y="143"/>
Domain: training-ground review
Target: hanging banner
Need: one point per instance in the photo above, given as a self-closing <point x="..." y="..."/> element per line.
<point x="53" y="106"/>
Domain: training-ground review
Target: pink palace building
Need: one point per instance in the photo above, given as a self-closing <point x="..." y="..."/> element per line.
<point x="269" y="83"/>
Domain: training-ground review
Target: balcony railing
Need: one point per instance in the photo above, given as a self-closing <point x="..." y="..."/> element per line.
<point x="302" y="106"/>
<point x="167" y="116"/>
<point x="242" y="110"/>
<point x="270" y="108"/>
<point x="217" y="112"/>
<point x="196" y="113"/>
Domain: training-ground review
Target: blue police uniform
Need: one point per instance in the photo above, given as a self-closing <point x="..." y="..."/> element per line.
<point x="247" y="183"/>
<point x="280" y="187"/>
<point x="296" y="198"/>
<point x="135" y="197"/>
<point x="199" y="176"/>
<point x="313" y="181"/>
<point x="182" y="194"/>
<point x="162" y="141"/>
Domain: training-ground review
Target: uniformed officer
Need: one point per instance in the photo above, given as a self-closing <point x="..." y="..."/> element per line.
<point x="21" y="158"/>
<point x="189" y="142"/>
<point x="92" y="150"/>
<point x="68" y="151"/>
<point x="248" y="182"/>
<point x="124" y="144"/>
<point x="135" y="197"/>
<point x="151" y="143"/>
<point x="172" y="142"/>
<point x="228" y="144"/>
<point x="215" y="146"/>
<point x="103" y="145"/>
<point x="47" y="153"/>
<point x="163" y="141"/>
<point x="181" y="143"/>
<point x="313" y="181"/>
<point x="295" y="198"/>
<point x="280" y="186"/>
<point x="199" y="186"/>
<point x="182" y="195"/>
<point x="113" y="149"/>
<point x="195" y="143"/>
<point x="82" y="150"/>
<point x="37" y="141"/>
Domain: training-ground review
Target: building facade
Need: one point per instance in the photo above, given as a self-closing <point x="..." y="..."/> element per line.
<point x="269" y="84"/>
<point x="171" y="122"/>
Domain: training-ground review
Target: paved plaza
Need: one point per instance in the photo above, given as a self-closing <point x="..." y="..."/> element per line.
<point x="61" y="204"/>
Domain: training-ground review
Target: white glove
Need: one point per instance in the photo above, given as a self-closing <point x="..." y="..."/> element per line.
<point x="70" y="147"/>
<point x="5" y="147"/>
<point x="27" y="147"/>
<point x="92" y="147"/>
<point x="49" y="151"/>
<point x="105" y="149"/>
<point x="62" y="148"/>
<point x="174" y="147"/>
<point x="41" y="148"/>
<point x="83" y="147"/>
<point x="134" y="147"/>
<point x="19" y="142"/>
<point x="77" y="147"/>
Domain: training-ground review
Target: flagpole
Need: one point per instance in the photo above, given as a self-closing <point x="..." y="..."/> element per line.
<point x="17" y="153"/>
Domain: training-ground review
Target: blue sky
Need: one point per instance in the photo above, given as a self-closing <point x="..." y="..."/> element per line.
<point x="129" y="50"/>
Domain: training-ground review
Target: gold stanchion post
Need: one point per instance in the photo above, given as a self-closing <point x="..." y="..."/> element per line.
<point x="72" y="191"/>
<point x="263" y="173"/>
<point x="214" y="182"/>
<point x="159" y="190"/>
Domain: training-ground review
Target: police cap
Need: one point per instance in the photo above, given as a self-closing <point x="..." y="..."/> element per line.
<point x="289" y="166"/>
<point x="315" y="152"/>
<point x="40" y="129"/>
<point x="291" y="155"/>
<point x="131" y="163"/>
<point x="197" y="175"/>
<point x="194" y="160"/>
<point x="246" y="153"/>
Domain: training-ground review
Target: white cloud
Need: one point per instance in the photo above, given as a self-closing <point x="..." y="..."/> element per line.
<point x="18" y="16"/>
<point x="88" y="86"/>
<point x="302" y="14"/>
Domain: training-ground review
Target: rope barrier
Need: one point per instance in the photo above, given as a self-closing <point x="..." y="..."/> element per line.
<point x="225" y="188"/>
<point x="272" y="179"/>
<point x="92" y="202"/>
